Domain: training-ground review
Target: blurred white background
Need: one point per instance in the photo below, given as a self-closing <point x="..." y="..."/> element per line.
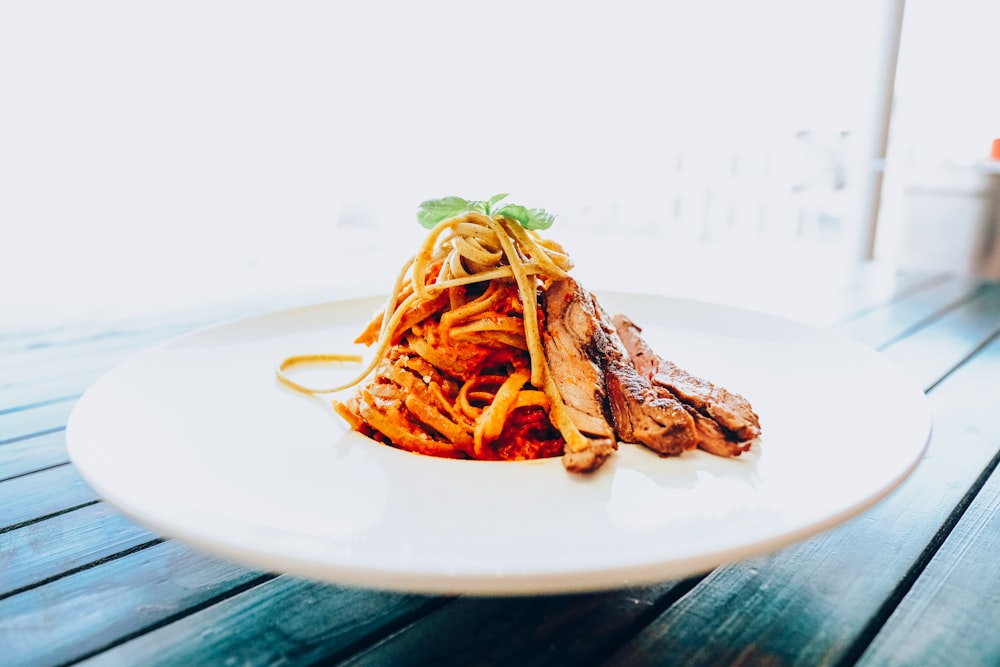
<point x="159" y="155"/>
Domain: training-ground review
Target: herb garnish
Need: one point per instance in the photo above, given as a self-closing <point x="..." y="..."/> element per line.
<point x="433" y="211"/>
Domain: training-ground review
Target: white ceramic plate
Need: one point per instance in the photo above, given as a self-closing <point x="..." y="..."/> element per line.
<point x="196" y="440"/>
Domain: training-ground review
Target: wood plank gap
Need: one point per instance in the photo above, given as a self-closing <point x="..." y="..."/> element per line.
<point x="879" y="619"/>
<point x="674" y="595"/>
<point x="39" y="404"/>
<point x="550" y="628"/>
<point x="44" y="517"/>
<point x="931" y="281"/>
<point x="173" y="618"/>
<point x="36" y="455"/>
<point x="114" y="333"/>
<point x="976" y="350"/>
<point x="32" y="472"/>
<point x="936" y="315"/>
<point x="391" y="630"/>
<point x="85" y="566"/>
<point x="36" y="434"/>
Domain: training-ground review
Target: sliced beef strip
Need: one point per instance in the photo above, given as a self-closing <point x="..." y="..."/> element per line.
<point x="579" y="337"/>
<point x="659" y="422"/>
<point x="640" y="413"/>
<point x="713" y="439"/>
<point x="731" y="412"/>
<point x="643" y="358"/>
<point x="592" y="457"/>
<point x="570" y="329"/>
<point x="569" y="332"/>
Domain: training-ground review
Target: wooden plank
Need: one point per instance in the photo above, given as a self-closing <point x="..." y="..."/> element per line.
<point x="65" y="360"/>
<point x="17" y="425"/>
<point x="42" y="494"/>
<point x="284" y="621"/>
<point x="941" y="620"/>
<point x="796" y="607"/>
<point x="67" y="542"/>
<point x="549" y="630"/>
<point x="824" y="305"/>
<point x="107" y="333"/>
<point x="928" y="354"/>
<point x="65" y="365"/>
<point x="47" y="373"/>
<point x="71" y="332"/>
<point x="874" y="294"/>
<point x="47" y="387"/>
<point x="32" y="454"/>
<point x="878" y="326"/>
<point x="19" y="338"/>
<point x="40" y="353"/>
<point x="101" y="606"/>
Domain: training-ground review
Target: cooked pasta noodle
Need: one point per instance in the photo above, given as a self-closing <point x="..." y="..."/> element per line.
<point x="458" y="367"/>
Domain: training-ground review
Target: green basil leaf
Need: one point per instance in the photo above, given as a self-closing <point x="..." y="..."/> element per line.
<point x="493" y="201"/>
<point x="530" y="218"/>
<point x="539" y="218"/>
<point x="433" y="211"/>
<point x="515" y="212"/>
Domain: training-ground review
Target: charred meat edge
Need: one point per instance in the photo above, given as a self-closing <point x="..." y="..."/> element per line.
<point x="577" y="373"/>
<point x="726" y="422"/>
<point x="606" y="395"/>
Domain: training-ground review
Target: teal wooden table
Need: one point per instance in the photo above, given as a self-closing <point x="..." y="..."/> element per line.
<point x="915" y="580"/>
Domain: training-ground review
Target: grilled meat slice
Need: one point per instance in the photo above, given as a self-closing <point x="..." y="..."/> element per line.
<point x="726" y="421"/>
<point x="571" y="326"/>
<point x="568" y="339"/>
<point x="616" y="387"/>
<point x="640" y="413"/>
<point x="592" y="371"/>
<point x="591" y="457"/>
<point x="732" y="412"/>
<point x="713" y="439"/>
<point x="642" y="357"/>
<point x="641" y="416"/>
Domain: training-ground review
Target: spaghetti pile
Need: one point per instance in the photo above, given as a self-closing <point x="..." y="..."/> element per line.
<point x="458" y="368"/>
